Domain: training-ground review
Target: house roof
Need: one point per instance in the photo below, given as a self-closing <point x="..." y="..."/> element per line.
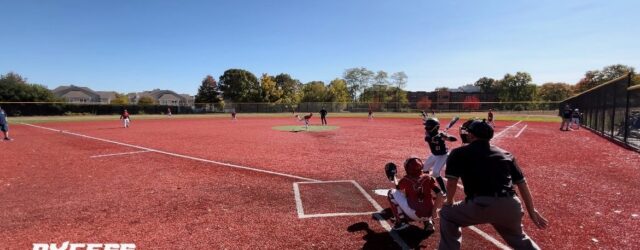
<point x="157" y="93"/>
<point x="107" y="94"/>
<point x="63" y="90"/>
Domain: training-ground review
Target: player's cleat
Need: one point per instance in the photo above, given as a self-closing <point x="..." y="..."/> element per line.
<point x="400" y="226"/>
<point x="428" y="226"/>
<point x="8" y="139"/>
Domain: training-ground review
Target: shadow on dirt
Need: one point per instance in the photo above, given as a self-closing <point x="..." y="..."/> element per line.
<point x="412" y="236"/>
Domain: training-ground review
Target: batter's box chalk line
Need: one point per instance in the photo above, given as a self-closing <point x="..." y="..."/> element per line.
<point x="300" y="208"/>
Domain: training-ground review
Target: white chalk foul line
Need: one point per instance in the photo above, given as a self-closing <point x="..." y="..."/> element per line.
<point x="176" y="155"/>
<point x="379" y="217"/>
<point x="506" y="129"/>
<point x="125" y="153"/>
<point x="521" y="130"/>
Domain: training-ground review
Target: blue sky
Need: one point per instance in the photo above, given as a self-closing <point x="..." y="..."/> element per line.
<point x="139" y="45"/>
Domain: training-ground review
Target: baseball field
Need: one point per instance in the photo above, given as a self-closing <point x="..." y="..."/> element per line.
<point x="263" y="182"/>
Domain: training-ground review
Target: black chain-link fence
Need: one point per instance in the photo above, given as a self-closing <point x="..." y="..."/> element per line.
<point x="611" y="109"/>
<point x="58" y="108"/>
<point x="39" y="109"/>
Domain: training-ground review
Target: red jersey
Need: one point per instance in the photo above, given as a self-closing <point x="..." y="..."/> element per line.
<point x="418" y="193"/>
<point x="124" y="115"/>
<point x="307" y="117"/>
<point x="490" y="116"/>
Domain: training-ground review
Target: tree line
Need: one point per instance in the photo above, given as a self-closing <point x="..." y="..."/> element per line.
<point x="519" y="86"/>
<point x="356" y="84"/>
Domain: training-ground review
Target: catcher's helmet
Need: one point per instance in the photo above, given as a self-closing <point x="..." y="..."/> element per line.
<point x="413" y="166"/>
<point x="479" y="128"/>
<point x="431" y="125"/>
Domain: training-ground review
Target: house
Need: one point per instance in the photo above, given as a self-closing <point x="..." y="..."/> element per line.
<point x="191" y="100"/>
<point x="106" y="96"/>
<point x="161" y="97"/>
<point x="76" y="94"/>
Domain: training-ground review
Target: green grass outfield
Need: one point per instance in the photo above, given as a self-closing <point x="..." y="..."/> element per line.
<point x="534" y="116"/>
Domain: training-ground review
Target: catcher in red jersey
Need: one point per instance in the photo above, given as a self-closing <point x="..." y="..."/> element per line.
<point x="414" y="196"/>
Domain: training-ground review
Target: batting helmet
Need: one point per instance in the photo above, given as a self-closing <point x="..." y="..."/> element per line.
<point x="479" y="128"/>
<point x="413" y="166"/>
<point x="431" y="125"/>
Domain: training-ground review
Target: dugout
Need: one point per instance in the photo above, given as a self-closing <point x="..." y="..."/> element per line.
<point x="611" y="109"/>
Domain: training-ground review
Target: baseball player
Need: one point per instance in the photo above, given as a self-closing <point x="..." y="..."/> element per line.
<point x="439" y="151"/>
<point x="4" y="125"/>
<point x="370" y="114"/>
<point x="575" y="118"/>
<point x="490" y="118"/>
<point x="125" y="118"/>
<point x="305" y="119"/>
<point x="233" y="115"/>
<point x="414" y="197"/>
<point x="566" y="118"/>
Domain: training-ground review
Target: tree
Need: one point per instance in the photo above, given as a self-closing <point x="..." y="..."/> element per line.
<point x="593" y="78"/>
<point x="612" y="72"/>
<point x="516" y="87"/>
<point x="146" y="100"/>
<point x="239" y="85"/>
<point x="357" y="80"/>
<point x="554" y="91"/>
<point x="399" y="79"/>
<point x="120" y="99"/>
<point x="15" y="88"/>
<point x="384" y="94"/>
<point x="375" y="94"/>
<point x="337" y="91"/>
<point x="208" y="91"/>
<point x="270" y="92"/>
<point x="314" y="91"/>
<point x="290" y="88"/>
<point x="381" y="78"/>
<point x="486" y="84"/>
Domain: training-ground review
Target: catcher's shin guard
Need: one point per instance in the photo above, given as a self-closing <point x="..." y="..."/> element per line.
<point x="395" y="209"/>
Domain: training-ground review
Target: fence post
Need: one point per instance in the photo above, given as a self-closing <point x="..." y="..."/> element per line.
<point x="626" y="112"/>
<point x="613" y="114"/>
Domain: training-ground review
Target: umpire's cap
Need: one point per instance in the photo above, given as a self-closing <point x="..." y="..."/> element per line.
<point x="479" y="128"/>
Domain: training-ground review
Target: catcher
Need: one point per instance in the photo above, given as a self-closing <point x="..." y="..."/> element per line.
<point x="439" y="151"/>
<point x="413" y="198"/>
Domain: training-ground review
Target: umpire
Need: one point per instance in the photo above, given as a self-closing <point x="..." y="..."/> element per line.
<point x="323" y="116"/>
<point x="488" y="174"/>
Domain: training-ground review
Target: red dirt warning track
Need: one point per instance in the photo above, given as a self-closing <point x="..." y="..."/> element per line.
<point x="53" y="191"/>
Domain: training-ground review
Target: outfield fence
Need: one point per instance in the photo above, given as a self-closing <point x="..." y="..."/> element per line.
<point x="611" y="109"/>
<point x="72" y="109"/>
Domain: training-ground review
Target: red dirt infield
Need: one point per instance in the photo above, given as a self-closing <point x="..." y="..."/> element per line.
<point x="191" y="191"/>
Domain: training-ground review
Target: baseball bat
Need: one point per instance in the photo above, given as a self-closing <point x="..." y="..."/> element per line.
<point x="452" y="122"/>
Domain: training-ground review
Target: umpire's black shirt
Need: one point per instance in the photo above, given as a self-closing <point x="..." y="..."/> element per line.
<point x="485" y="170"/>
